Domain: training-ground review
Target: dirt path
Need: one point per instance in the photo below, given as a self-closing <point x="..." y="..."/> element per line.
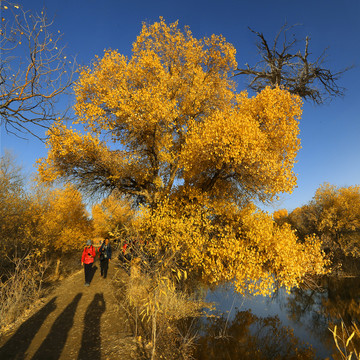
<point x="75" y="322"/>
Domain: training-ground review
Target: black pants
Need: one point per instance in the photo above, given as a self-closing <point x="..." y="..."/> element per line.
<point x="104" y="265"/>
<point x="88" y="271"/>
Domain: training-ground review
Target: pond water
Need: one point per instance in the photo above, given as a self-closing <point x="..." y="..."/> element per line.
<point x="285" y="326"/>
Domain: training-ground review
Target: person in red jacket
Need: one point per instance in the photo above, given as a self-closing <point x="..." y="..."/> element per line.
<point x="87" y="259"/>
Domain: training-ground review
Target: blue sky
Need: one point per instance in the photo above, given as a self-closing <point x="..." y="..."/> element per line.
<point x="330" y="134"/>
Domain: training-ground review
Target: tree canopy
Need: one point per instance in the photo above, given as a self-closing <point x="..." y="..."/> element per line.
<point x="174" y="110"/>
<point x="112" y="216"/>
<point x="38" y="221"/>
<point x="333" y="215"/>
<point x="168" y="128"/>
<point x="63" y="223"/>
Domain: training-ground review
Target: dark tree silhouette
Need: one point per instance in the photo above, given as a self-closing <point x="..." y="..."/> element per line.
<point x="282" y="64"/>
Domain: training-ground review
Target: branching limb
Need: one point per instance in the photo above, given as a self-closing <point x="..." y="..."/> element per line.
<point x="34" y="71"/>
<point x="281" y="65"/>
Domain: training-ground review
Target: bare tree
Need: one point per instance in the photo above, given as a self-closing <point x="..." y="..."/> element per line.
<point x="281" y="65"/>
<point x="34" y="70"/>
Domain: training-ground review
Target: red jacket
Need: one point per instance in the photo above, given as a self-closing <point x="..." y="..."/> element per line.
<point x="88" y="255"/>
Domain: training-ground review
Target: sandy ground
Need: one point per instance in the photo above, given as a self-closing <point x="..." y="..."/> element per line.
<point x="74" y="322"/>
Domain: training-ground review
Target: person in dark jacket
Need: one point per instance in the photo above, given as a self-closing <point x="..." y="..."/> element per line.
<point x="105" y="257"/>
<point x="87" y="259"/>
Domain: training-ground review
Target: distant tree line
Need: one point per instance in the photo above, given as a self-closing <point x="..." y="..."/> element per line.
<point x="333" y="215"/>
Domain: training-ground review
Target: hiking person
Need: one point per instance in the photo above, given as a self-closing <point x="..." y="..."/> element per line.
<point x="87" y="259"/>
<point x="105" y="257"/>
<point x="127" y="248"/>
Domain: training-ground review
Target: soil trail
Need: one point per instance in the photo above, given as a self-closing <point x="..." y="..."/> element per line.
<point x="75" y="322"/>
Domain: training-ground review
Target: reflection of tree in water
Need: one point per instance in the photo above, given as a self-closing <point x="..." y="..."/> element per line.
<point x="342" y="300"/>
<point x="305" y="307"/>
<point x="338" y="301"/>
<point x="248" y="336"/>
<point x="343" y="303"/>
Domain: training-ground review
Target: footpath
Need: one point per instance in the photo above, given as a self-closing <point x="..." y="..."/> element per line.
<point x="74" y="322"/>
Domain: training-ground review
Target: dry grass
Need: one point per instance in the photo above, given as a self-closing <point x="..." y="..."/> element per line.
<point x="21" y="289"/>
<point x="347" y="341"/>
<point x="25" y="280"/>
<point x="159" y="315"/>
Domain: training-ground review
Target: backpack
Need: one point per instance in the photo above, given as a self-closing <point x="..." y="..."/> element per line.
<point x="101" y="251"/>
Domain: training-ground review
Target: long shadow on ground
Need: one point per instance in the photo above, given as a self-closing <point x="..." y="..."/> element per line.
<point x="54" y="343"/>
<point x="15" y="348"/>
<point x="91" y="339"/>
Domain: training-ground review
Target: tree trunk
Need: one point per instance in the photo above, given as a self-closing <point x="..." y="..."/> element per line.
<point x="153" y="352"/>
<point x="56" y="275"/>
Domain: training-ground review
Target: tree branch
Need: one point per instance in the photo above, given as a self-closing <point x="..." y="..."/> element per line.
<point x="292" y="70"/>
<point x="34" y="70"/>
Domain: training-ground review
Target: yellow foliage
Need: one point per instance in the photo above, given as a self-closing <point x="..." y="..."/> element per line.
<point x="35" y="222"/>
<point x="14" y="205"/>
<point x="174" y="113"/>
<point x="338" y="215"/>
<point x="245" y="246"/>
<point x="280" y="216"/>
<point x="191" y="149"/>
<point x="111" y="216"/>
<point x="252" y="141"/>
<point x="62" y="221"/>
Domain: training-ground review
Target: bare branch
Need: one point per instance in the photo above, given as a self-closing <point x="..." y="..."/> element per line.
<point x="34" y="70"/>
<point x="281" y="65"/>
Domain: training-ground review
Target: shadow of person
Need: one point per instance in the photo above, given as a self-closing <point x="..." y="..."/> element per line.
<point x="17" y="345"/>
<point x="93" y="271"/>
<point x="54" y="343"/>
<point x="91" y="338"/>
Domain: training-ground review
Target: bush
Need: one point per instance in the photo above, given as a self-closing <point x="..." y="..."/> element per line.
<point x="22" y="288"/>
<point x="159" y="314"/>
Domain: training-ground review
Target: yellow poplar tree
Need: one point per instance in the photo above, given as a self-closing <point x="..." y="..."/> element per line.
<point x="64" y="223"/>
<point x="111" y="216"/>
<point x="14" y="203"/>
<point x="280" y="216"/>
<point x="167" y="127"/>
<point x="337" y="212"/>
<point x="61" y="222"/>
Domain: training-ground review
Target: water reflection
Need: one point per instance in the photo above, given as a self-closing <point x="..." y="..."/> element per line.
<point x="248" y="336"/>
<point x="336" y="300"/>
<point x="280" y="327"/>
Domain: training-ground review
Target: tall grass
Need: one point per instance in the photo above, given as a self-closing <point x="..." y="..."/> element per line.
<point x="20" y="288"/>
<point x="159" y="314"/>
<point x="347" y="341"/>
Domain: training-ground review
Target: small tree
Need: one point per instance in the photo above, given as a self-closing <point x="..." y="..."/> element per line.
<point x="14" y="203"/>
<point x="111" y="216"/>
<point x="333" y="215"/>
<point x="338" y="216"/>
<point x="280" y="216"/>
<point x="62" y="223"/>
